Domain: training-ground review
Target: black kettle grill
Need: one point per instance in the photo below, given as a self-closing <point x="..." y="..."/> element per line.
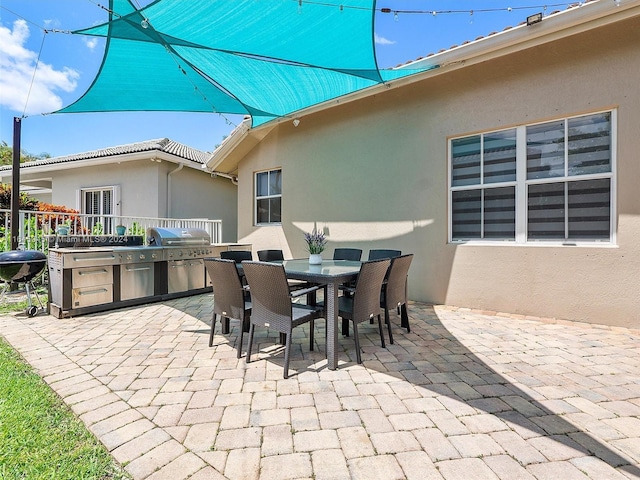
<point x="23" y="266"/>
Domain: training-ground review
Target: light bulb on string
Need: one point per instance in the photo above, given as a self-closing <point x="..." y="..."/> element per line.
<point x="395" y="16"/>
<point x="144" y="23"/>
<point x="471" y="17"/>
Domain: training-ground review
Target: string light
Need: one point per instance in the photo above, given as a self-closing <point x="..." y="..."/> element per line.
<point x="434" y="12"/>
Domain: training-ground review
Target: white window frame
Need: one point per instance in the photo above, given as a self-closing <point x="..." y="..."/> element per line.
<point x="106" y="219"/>
<point x="265" y="197"/>
<point x="522" y="187"/>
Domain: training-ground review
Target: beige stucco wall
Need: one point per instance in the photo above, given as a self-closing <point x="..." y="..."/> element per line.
<point x="138" y="182"/>
<point x="373" y="174"/>
<point x="196" y="194"/>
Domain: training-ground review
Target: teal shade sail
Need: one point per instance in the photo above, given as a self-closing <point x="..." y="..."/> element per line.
<point x="263" y="58"/>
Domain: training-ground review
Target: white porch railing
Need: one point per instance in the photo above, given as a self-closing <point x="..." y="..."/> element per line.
<point x="36" y="226"/>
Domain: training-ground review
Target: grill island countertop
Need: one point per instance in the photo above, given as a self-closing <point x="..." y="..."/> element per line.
<point x="96" y="273"/>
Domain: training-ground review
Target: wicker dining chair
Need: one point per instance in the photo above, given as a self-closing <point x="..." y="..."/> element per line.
<point x="270" y="255"/>
<point x="378" y="253"/>
<point x="273" y="306"/>
<point x="354" y="254"/>
<point x="364" y="302"/>
<point x="230" y="300"/>
<point x="394" y="291"/>
<point x="236" y="255"/>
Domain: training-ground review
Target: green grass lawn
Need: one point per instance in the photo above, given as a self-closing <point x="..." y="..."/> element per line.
<point x="40" y="438"/>
<point x="11" y="302"/>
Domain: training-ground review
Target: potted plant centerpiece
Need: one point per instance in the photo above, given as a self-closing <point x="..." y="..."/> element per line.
<point x="316" y="241"/>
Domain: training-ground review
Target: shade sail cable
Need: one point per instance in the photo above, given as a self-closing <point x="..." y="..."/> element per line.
<point x="240" y="56"/>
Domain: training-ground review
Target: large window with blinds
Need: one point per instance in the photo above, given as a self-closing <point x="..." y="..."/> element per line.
<point x="550" y="181"/>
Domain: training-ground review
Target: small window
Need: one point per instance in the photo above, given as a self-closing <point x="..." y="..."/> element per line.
<point x="269" y="197"/>
<point x="98" y="206"/>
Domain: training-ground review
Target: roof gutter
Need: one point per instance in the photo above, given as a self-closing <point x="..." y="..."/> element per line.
<point x="154" y="155"/>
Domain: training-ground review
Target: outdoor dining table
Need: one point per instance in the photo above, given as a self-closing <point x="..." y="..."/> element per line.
<point x="331" y="273"/>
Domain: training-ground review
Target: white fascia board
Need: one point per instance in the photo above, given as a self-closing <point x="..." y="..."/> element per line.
<point x="107" y="160"/>
<point x="228" y="144"/>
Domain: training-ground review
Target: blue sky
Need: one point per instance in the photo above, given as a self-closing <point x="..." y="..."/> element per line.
<point x="67" y="64"/>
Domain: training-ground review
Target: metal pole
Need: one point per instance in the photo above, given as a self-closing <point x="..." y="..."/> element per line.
<point x="15" y="187"/>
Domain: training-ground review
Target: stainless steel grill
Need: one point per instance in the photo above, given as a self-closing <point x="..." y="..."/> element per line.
<point x="177" y="237"/>
<point x="91" y="278"/>
<point x="183" y="249"/>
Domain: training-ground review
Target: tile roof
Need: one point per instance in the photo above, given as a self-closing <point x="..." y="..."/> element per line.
<point x="162" y="145"/>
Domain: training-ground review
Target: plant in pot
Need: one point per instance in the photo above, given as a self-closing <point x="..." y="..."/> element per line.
<point x="316" y="242"/>
<point x="63" y="228"/>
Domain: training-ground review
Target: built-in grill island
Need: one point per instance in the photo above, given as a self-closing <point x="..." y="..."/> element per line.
<point x="96" y="273"/>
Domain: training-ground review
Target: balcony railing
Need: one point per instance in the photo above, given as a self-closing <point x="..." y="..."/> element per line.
<point x="36" y="226"/>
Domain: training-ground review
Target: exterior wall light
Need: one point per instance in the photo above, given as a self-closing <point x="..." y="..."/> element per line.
<point x="533" y="19"/>
<point x="296" y="122"/>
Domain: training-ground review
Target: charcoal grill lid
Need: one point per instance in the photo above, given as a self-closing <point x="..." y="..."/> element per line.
<point x="21" y="265"/>
<point x="21" y="256"/>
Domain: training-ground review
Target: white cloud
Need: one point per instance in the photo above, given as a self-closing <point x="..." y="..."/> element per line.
<point x="381" y="40"/>
<point x="17" y="65"/>
<point x="91" y="43"/>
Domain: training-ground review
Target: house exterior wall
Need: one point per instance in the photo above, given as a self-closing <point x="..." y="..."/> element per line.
<point x="373" y="174"/>
<point x="144" y="191"/>
<point x="138" y="182"/>
<point x="197" y="195"/>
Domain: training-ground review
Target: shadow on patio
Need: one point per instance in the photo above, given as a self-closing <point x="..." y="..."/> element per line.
<point x="524" y="381"/>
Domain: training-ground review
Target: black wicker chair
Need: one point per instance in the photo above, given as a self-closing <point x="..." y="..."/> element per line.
<point x="354" y="254"/>
<point x="377" y="254"/>
<point x="364" y="302"/>
<point x="273" y="307"/>
<point x="394" y="291"/>
<point x="270" y="255"/>
<point x="229" y="297"/>
<point x="236" y="255"/>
